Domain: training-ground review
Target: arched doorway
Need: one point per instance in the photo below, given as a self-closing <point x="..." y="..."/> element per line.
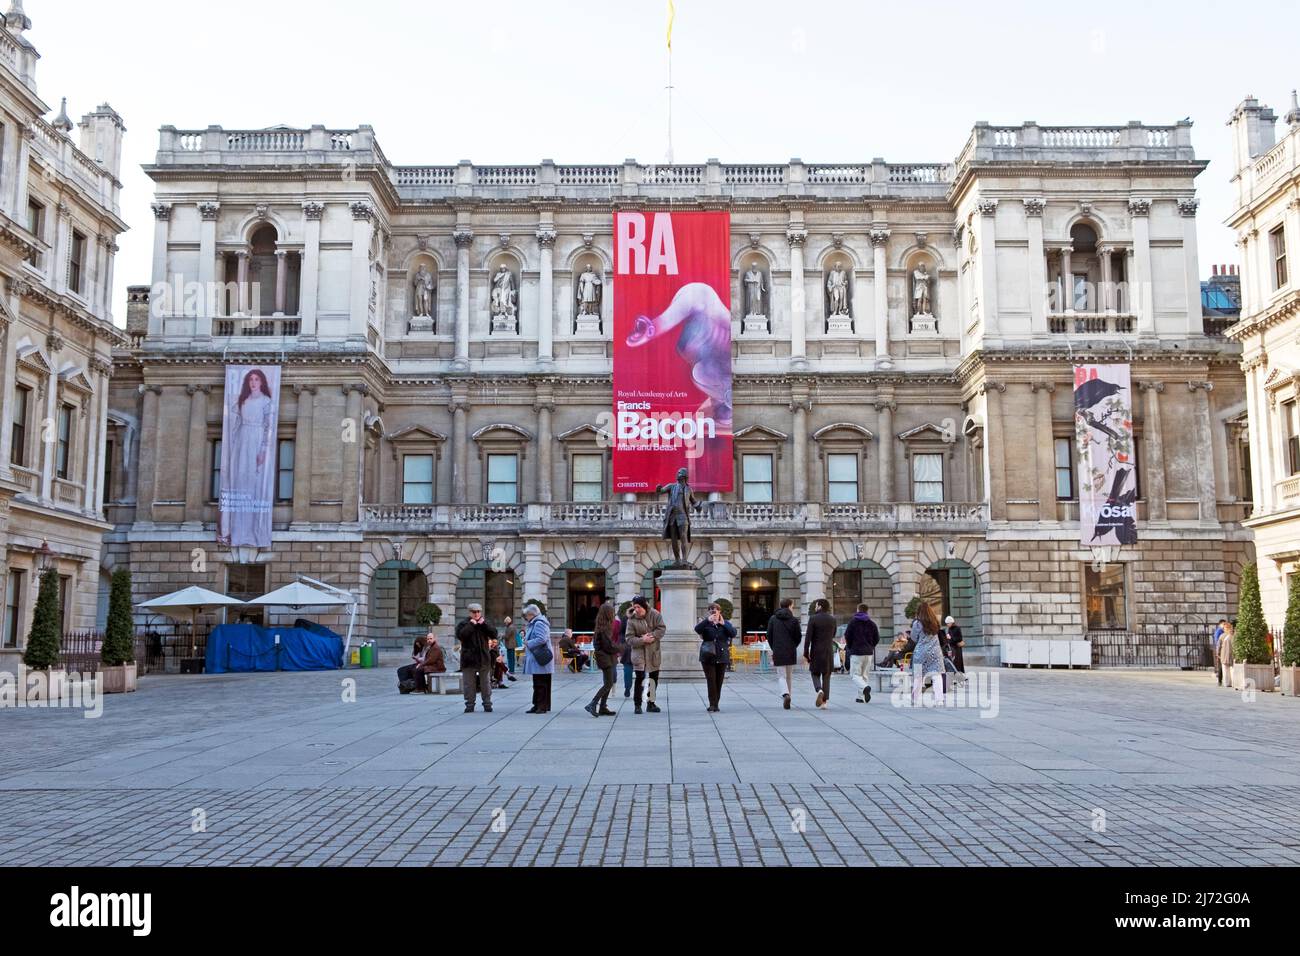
<point x="650" y="588"/>
<point x="578" y="589"/>
<point x="398" y="589"/>
<point x="762" y="586"/>
<point x="495" y="589"/>
<point x="952" y="586"/>
<point x="863" y="582"/>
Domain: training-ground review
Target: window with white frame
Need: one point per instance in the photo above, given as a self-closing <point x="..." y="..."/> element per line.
<point x="588" y="477"/>
<point x="63" y="448"/>
<point x="503" y="479"/>
<point x="927" y="478"/>
<point x="1064" y="448"/>
<point x="417" y="479"/>
<point x="1277" y="248"/>
<point x="1291" y="427"/>
<point x="842" y="478"/>
<point x="756" y="472"/>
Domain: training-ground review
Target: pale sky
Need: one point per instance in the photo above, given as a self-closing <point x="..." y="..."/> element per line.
<point x="584" y="81"/>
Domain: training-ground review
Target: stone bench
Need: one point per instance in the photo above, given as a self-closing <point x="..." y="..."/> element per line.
<point x="442" y="683"/>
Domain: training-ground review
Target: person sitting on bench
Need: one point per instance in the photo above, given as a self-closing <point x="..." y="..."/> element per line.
<point x="569" y="648"/>
<point x="901" y="647"/>
<point x="426" y="658"/>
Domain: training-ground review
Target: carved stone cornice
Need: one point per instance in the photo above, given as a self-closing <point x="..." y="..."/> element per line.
<point x="313" y="211"/>
<point x="1034" y="206"/>
<point x="989" y="386"/>
<point x="1195" y="386"/>
<point x="208" y="211"/>
<point x="147" y="389"/>
<point x="101" y="367"/>
<point x="1139" y="207"/>
<point x="881" y="404"/>
<point x="162" y="211"/>
<point x="360" y="387"/>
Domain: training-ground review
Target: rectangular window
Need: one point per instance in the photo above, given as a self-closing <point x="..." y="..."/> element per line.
<point x="499" y="597"/>
<point x="35" y="218"/>
<point x="588" y="477"/>
<point x="284" y="471"/>
<point x="1277" y="246"/>
<point x="1105" y="598"/>
<point x="1064" y="469"/>
<point x="756" y="473"/>
<point x="503" y="479"/>
<point x="846" y="594"/>
<point x="13" y="607"/>
<point x="76" y="262"/>
<point x="18" y="433"/>
<point x="842" y="478"/>
<point x="927" y="478"/>
<point x="65" y="609"/>
<point x="214" y="492"/>
<point x="1079" y="294"/>
<point x="1291" y="423"/>
<point x="245" y="582"/>
<point x="417" y="480"/>
<point x="63" y="450"/>
<point x="412" y="594"/>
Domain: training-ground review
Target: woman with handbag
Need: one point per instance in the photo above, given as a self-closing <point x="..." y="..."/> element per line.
<point x="716" y="636"/>
<point x="607" y="652"/>
<point x="539" y="661"/>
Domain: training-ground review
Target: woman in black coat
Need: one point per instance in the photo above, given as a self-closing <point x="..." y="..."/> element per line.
<point x="955" y="644"/>
<point x="716" y="636"/>
<point x="784" y="635"/>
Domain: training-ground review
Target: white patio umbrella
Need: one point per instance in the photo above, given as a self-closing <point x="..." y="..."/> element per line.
<point x="302" y="594"/>
<point x="185" y="605"/>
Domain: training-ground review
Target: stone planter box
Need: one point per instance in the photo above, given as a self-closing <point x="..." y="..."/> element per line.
<point x="1260" y="676"/>
<point x="121" y="679"/>
<point x="1291" y="681"/>
<point x="46" y="685"/>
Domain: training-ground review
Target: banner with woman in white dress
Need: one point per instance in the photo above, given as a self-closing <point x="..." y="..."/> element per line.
<point x="248" y="445"/>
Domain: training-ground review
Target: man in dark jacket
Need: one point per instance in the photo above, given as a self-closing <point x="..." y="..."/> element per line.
<point x="860" y="640"/>
<point x="784" y="635"/>
<point x="478" y="654"/>
<point x="819" y="649"/>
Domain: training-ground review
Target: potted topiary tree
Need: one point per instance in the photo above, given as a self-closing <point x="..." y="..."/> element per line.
<point x="541" y="605"/>
<point x="1291" y="640"/>
<point x="43" y="641"/>
<point x="120" y="671"/>
<point x="728" y="608"/>
<point x="429" y="615"/>
<point x="1250" y="655"/>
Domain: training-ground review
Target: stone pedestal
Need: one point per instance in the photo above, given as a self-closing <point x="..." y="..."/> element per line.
<point x="587" y="325"/>
<point x="681" y="652"/>
<point x="925" y="324"/>
<point x="503" y="322"/>
<point x="840" y="325"/>
<point x="756" y="325"/>
<point x="420" y="324"/>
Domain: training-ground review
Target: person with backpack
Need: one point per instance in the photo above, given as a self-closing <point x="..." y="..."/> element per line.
<point x="860" y="640"/>
<point x="716" y="635"/>
<point x="784" y="635"/>
<point x="608" y="650"/>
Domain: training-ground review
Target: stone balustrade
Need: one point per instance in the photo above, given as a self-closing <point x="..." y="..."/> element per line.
<point x="1288" y="492"/>
<point x="714" y="517"/>
<point x="1029" y="142"/>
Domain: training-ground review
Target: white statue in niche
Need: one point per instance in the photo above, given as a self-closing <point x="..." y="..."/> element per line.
<point x="423" y="293"/>
<point x="590" y="290"/>
<point x="921" y="290"/>
<point x="837" y="285"/>
<point x="754" y="289"/>
<point x="504" y="308"/>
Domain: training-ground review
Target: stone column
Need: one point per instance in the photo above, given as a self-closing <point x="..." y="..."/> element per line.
<point x="814" y="579"/>
<point x="534" y="583"/>
<point x="1037" y="266"/>
<point x="720" y="573"/>
<point x="10" y="373"/>
<point x="546" y="296"/>
<point x="1191" y="277"/>
<point x="1107" y="278"/>
<point x="885" y="408"/>
<point x="242" y="279"/>
<point x="988" y="258"/>
<point x="308" y="306"/>
<point x="626" y="588"/>
<point x="1046" y="458"/>
<point x="196" y="454"/>
<point x="801" y="405"/>
<point x="880" y="289"/>
<point x="1067" y="278"/>
<point x="49" y="448"/>
<point x="797" y="236"/>
<point x="352" y="452"/>
<point x="281" y="280"/>
<point x="210" y="295"/>
<point x="994" y="435"/>
<point x="147" y="443"/>
<point x="545" y="442"/>
<point x="1154" y="452"/>
<point x="1139" y="209"/>
<point x="90" y="457"/>
<point x="363" y="229"/>
<point x="1205" y="483"/>
<point x="464" y="238"/>
<point x="110" y="258"/>
<point x="101" y="438"/>
<point x="25" y="136"/>
<point x="162" y="213"/>
<point x="459" y="451"/>
<point x="302" y="452"/>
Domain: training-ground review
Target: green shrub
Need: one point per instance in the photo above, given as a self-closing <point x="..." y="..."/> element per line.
<point x="913" y="606"/>
<point x="1291" y="630"/>
<point x="119" y="638"/>
<point x="1250" y="645"/>
<point x="429" y="615"/>
<point x="43" y="639"/>
<point x="728" y="608"/>
<point x="540" y="604"/>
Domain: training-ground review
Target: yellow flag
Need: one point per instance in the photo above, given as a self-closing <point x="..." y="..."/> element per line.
<point x="672" y="13"/>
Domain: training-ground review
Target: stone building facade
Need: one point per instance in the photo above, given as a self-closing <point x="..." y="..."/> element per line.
<point x="906" y="443"/>
<point x="59" y="222"/>
<point x="1267" y="222"/>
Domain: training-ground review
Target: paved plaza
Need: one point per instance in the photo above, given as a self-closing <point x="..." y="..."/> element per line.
<point x="1076" y="768"/>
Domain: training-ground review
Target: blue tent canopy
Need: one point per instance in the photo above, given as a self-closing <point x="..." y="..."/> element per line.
<point x="241" y="648"/>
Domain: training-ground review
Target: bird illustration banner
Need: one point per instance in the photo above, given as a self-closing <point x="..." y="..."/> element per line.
<point x="1103" y="426"/>
<point x="249" y="421"/>
<point x="672" y="350"/>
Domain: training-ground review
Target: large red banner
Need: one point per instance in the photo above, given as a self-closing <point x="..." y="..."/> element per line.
<point x="672" y="349"/>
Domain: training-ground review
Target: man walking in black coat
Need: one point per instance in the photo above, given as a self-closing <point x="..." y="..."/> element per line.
<point x="860" y="640"/>
<point x="819" y="649"/>
<point x="478" y="656"/>
<point x="784" y="636"/>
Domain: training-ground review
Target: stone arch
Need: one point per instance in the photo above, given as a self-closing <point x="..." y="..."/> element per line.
<point x="391" y="594"/>
<point x="954" y="587"/>
<point x="492" y="583"/>
<point x="1092" y="218"/>
<point x="253" y="221"/>
<point x="741" y="263"/>
<point x="408" y="262"/>
<point x="849" y="254"/>
<point x="582" y="250"/>
<point x="875" y="588"/>
<point x="563" y="584"/>
<point x="515" y="262"/>
<point x="764" y="582"/>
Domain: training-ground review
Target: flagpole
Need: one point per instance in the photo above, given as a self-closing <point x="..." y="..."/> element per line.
<point x="672" y="15"/>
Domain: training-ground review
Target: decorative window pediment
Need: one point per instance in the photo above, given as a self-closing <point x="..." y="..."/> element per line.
<point x="587" y="434"/>
<point x="927" y="432"/>
<point x="843" y="432"/>
<point x="502" y="432"/>
<point x="74" y="379"/>
<point x="416" y="434"/>
<point x="760" y="433"/>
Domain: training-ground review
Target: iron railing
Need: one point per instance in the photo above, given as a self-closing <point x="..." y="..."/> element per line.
<point x="1186" y="646"/>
